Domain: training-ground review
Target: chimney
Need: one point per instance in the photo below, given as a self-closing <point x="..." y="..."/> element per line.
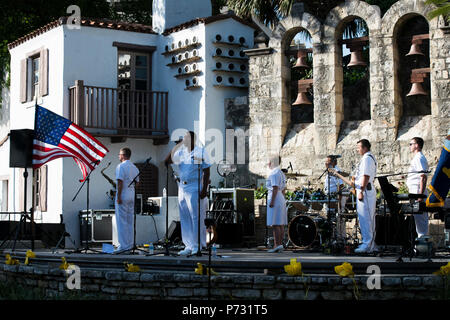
<point x="170" y="13"/>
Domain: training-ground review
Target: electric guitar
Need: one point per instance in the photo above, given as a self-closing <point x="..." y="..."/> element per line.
<point x="351" y="182"/>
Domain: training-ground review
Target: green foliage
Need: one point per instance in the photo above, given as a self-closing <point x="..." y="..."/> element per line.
<point x="403" y="188"/>
<point x="260" y="192"/>
<point x="443" y="9"/>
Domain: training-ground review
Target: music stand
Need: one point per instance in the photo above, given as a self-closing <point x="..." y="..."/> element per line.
<point x="86" y="248"/>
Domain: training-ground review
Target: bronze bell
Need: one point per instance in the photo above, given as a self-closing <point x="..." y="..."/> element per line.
<point x="415" y="49"/>
<point x="356" y="59"/>
<point x="301" y="60"/>
<point x="301" y="99"/>
<point x="416" y="89"/>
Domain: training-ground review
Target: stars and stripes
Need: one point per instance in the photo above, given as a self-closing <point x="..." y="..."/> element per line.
<point x="57" y="137"/>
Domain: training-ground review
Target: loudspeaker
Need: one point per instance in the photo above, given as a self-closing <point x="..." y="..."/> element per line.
<point x="21" y="148"/>
<point x="394" y="229"/>
<point x="174" y="231"/>
<point x="229" y="233"/>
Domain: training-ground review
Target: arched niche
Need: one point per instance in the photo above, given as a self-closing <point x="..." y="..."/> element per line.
<point x="299" y="55"/>
<point x="353" y="58"/>
<point x="412" y="67"/>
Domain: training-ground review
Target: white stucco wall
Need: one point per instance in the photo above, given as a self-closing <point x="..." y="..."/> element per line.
<point x="215" y="97"/>
<point x="169" y="13"/>
<point x="22" y="116"/>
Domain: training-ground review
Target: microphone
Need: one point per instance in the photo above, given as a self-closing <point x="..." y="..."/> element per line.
<point x="148" y="160"/>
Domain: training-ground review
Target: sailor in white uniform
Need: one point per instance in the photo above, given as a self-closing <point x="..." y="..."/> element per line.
<point x="126" y="171"/>
<point x="366" y="196"/>
<point x="276" y="209"/>
<point x="417" y="181"/>
<point x="189" y="157"/>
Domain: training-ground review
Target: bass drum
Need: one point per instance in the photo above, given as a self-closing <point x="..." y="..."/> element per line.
<point x="304" y="230"/>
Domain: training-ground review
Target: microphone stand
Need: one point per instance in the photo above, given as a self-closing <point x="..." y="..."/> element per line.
<point x="86" y="181"/>
<point x="199" y="251"/>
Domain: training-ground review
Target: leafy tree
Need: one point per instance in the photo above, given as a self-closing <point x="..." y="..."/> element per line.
<point x="443" y="9"/>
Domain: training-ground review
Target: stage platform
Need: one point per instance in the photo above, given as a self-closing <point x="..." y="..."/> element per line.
<point x="240" y="260"/>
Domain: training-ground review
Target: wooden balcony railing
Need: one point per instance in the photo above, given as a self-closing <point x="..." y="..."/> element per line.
<point x="117" y="112"/>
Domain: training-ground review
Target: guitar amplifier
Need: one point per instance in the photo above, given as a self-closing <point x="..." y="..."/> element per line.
<point x="99" y="225"/>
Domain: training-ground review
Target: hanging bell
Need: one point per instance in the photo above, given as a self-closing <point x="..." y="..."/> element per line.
<point x="301" y="60"/>
<point x="356" y="59"/>
<point x="301" y="99"/>
<point x="415" y="49"/>
<point x="416" y="89"/>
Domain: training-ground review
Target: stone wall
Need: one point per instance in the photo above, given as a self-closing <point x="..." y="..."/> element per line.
<point x="389" y="130"/>
<point x="115" y="284"/>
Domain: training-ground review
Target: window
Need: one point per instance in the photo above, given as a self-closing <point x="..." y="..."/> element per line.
<point x="133" y="71"/>
<point x="34" y="75"/>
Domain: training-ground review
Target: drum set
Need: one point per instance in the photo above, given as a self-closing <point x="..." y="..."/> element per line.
<point x="318" y="220"/>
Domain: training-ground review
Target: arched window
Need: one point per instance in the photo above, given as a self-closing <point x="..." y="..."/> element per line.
<point x="353" y="34"/>
<point x="300" y="58"/>
<point x="412" y="64"/>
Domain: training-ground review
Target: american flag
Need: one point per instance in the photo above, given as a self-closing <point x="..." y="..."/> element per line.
<point x="56" y="137"/>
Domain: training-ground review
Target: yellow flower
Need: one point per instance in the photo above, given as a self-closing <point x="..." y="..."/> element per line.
<point x="202" y="270"/>
<point x="65" y="265"/>
<point x="344" y="270"/>
<point x="131" y="267"/>
<point x="10" y="261"/>
<point x="443" y="271"/>
<point x="29" y="255"/>
<point x="294" y="268"/>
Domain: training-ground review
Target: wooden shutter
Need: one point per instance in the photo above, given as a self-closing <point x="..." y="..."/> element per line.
<point x="19" y="178"/>
<point x="43" y="72"/>
<point x="43" y="185"/>
<point x="23" y="80"/>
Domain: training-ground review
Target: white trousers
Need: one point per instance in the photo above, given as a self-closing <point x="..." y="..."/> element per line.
<point x="124" y="221"/>
<point x="188" y="206"/>
<point x="366" y="216"/>
<point x="421" y="224"/>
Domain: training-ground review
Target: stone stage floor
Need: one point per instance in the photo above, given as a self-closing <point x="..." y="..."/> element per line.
<point x="241" y="260"/>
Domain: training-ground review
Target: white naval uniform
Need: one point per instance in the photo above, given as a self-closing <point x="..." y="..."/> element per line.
<point x="335" y="182"/>
<point x="366" y="208"/>
<point x="418" y="163"/>
<point x="277" y="215"/>
<point x="125" y="171"/>
<point x="188" y="195"/>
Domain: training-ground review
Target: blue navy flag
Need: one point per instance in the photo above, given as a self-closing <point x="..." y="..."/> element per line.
<point x="440" y="183"/>
<point x="57" y="137"/>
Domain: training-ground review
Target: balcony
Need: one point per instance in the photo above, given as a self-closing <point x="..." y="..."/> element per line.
<point x="119" y="113"/>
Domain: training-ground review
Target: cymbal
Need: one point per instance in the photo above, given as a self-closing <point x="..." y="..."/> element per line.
<point x="294" y="174"/>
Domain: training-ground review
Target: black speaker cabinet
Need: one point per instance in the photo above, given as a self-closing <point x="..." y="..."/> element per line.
<point x="21" y="148"/>
<point x="394" y="229"/>
<point x="229" y="233"/>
